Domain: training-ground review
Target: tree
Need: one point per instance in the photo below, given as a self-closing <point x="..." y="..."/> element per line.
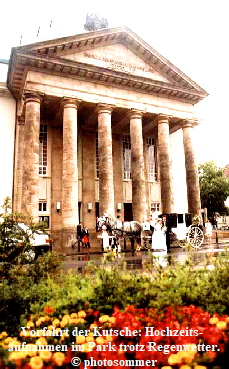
<point x="15" y="240"/>
<point x="226" y="170"/>
<point x="214" y="188"/>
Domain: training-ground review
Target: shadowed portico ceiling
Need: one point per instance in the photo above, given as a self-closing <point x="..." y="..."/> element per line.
<point x="53" y="57"/>
<point x="52" y="112"/>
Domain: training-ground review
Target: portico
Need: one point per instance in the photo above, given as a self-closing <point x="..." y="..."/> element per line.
<point x="98" y="112"/>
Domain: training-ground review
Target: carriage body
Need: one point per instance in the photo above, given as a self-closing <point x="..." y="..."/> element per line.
<point x="183" y="231"/>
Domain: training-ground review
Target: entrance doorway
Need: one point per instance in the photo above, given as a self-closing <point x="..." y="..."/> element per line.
<point x="97" y="209"/>
<point x="79" y="211"/>
<point x="128" y="214"/>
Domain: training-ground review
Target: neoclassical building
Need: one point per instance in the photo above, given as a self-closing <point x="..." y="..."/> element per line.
<point x="102" y="122"/>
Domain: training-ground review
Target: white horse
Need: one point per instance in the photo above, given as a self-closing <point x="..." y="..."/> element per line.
<point x="117" y="226"/>
<point x="131" y="229"/>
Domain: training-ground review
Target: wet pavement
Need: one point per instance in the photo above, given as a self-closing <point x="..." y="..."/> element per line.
<point x="137" y="260"/>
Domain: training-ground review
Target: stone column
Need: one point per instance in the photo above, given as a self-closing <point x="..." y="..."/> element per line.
<point x="30" y="186"/>
<point x="106" y="180"/>
<point x="147" y="188"/>
<point x="70" y="216"/>
<point x="18" y="159"/>
<point x="193" y="190"/>
<point x="88" y="180"/>
<point x="56" y="184"/>
<point x="118" y="175"/>
<point x="137" y="167"/>
<point x="165" y="164"/>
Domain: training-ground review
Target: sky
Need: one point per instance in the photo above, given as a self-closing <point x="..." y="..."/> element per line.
<point x="193" y="35"/>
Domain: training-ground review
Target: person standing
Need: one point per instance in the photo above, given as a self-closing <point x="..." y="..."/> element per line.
<point x="85" y="238"/>
<point x="208" y="230"/>
<point x="167" y="232"/>
<point x="79" y="231"/>
<point x="106" y="239"/>
<point x="158" y="237"/>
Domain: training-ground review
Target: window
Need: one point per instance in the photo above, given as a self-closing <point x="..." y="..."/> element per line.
<point x="44" y="219"/>
<point x="43" y="206"/>
<point x="155" y="206"/>
<point x="97" y="155"/>
<point x="43" y="149"/>
<point x="151" y="152"/>
<point x="180" y="218"/>
<point x="126" y="145"/>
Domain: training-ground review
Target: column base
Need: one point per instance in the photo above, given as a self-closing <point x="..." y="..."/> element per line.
<point x="69" y="238"/>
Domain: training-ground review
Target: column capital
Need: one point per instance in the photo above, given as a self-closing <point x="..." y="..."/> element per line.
<point x="70" y="102"/>
<point x="32" y="97"/>
<point x="187" y="123"/>
<point x="135" y="113"/>
<point x="104" y="108"/>
<point x="162" y="118"/>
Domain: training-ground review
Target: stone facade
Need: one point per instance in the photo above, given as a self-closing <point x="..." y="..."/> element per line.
<point x="7" y="119"/>
<point x="107" y="105"/>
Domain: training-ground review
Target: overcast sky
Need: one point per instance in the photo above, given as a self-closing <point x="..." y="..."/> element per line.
<point x="193" y="35"/>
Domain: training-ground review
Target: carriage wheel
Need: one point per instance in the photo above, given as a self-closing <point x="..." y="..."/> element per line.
<point x="195" y="237"/>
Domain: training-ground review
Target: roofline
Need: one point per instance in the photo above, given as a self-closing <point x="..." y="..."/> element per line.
<point x="94" y="34"/>
<point x="4" y="61"/>
<point x="62" y="39"/>
<point x="128" y="31"/>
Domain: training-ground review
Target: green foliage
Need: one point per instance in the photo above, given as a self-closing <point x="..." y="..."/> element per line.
<point x="11" y="236"/>
<point x="214" y="188"/>
<point x="14" y="240"/>
<point x="27" y="289"/>
<point x="104" y="287"/>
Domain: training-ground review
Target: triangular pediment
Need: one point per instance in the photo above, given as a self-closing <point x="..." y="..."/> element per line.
<point x="119" y="58"/>
<point x="114" y="55"/>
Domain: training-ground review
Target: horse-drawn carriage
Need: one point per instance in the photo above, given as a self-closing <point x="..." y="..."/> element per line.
<point x="181" y="230"/>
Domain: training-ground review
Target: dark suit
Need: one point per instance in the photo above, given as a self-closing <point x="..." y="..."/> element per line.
<point x="167" y="233"/>
<point x="79" y="231"/>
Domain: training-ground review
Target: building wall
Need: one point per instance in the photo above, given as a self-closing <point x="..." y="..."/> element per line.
<point x="7" y="128"/>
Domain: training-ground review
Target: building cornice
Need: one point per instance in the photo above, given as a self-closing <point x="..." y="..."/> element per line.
<point x="90" y="72"/>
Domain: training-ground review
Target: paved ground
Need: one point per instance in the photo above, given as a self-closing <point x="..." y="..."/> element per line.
<point x="136" y="259"/>
<point x="96" y="244"/>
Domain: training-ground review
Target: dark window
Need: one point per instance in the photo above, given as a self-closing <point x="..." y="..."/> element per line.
<point x="126" y="152"/>
<point x="97" y="154"/>
<point x="43" y="149"/>
<point x="128" y="214"/>
<point x="44" y="219"/>
<point x="97" y="209"/>
<point x="180" y="218"/>
<point x="172" y="220"/>
<point x="188" y="219"/>
<point x="43" y="206"/>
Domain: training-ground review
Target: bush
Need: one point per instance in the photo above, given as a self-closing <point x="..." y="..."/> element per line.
<point x="26" y="287"/>
<point x="99" y="288"/>
<point x="15" y="240"/>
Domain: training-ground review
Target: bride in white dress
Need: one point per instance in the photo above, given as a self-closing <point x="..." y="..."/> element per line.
<point x="158" y="237"/>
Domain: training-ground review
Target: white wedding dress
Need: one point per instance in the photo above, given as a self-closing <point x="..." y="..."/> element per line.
<point x="159" y="238"/>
